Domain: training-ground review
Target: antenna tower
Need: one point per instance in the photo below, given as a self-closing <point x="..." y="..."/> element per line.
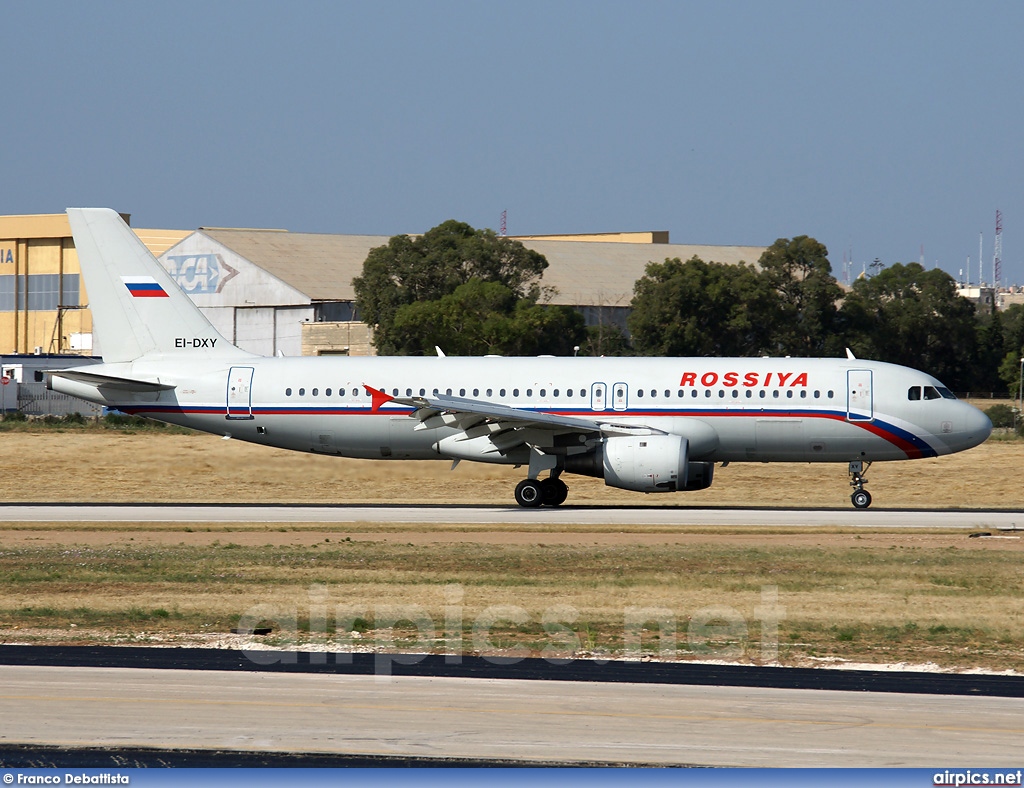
<point x="504" y="226"/>
<point x="997" y="256"/>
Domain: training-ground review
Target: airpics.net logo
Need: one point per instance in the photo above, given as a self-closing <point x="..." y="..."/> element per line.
<point x="407" y="633"/>
<point x="199" y="274"/>
<point x="968" y="777"/>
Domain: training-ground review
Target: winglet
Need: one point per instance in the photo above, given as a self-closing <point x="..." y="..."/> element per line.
<point x="849" y="355"/>
<point x="378" y="398"/>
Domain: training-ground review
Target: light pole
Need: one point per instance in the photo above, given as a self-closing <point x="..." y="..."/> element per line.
<point x="1020" y="389"/>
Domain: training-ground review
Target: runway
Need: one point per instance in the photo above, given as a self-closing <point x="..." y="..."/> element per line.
<point x="967" y="519"/>
<point x="531" y="721"/>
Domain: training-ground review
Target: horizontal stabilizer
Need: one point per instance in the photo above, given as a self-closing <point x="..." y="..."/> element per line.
<point x="111" y="382"/>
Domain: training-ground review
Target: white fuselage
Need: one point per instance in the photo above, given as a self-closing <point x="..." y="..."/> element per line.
<point x="738" y="409"/>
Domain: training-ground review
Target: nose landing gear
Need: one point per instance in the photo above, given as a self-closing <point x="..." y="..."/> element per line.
<point x="861" y="498"/>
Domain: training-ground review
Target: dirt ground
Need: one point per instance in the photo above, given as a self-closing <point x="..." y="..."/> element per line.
<point x="109" y="466"/>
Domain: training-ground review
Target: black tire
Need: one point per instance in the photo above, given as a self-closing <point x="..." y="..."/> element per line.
<point x="529" y="493"/>
<point x="554" y="492"/>
<point x="861" y="499"/>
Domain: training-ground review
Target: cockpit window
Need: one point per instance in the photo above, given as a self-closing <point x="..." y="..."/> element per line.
<point x="946" y="393"/>
<point x="931" y="393"/>
<point x="914" y="393"/>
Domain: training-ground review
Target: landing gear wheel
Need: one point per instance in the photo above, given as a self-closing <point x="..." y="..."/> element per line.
<point x="529" y="493"/>
<point x="861" y="499"/>
<point x="554" y="492"/>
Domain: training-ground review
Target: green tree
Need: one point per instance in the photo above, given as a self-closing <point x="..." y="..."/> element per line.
<point x="907" y="315"/>
<point x="990" y="353"/>
<point x="605" y="339"/>
<point x="800" y="273"/>
<point x="487" y="317"/>
<point x="1010" y="372"/>
<point x="701" y="309"/>
<point x="413" y="270"/>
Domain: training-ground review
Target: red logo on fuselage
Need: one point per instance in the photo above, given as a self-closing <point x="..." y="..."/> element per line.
<point x="749" y="380"/>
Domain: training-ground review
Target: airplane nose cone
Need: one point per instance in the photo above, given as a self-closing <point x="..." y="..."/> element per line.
<point x="977" y="428"/>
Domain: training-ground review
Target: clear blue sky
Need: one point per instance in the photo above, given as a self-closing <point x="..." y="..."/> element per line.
<point x="876" y="127"/>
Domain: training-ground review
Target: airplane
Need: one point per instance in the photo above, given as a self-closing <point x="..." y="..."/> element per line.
<point x="650" y="425"/>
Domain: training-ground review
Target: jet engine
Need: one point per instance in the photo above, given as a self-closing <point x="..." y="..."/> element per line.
<point x="644" y="463"/>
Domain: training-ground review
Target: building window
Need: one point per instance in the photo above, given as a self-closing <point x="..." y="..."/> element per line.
<point x="44" y="292"/>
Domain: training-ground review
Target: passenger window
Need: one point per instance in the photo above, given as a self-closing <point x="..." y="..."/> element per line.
<point x="302" y="392"/>
<point x="803" y="394"/>
<point x="490" y="392"/>
<point x="529" y="392"/>
<point x="931" y="393"/>
<point x="736" y="394"/>
<point x="694" y="394"/>
<point x="287" y="392"/>
<point x="448" y="392"/>
<point x="476" y="392"/>
<point x="749" y="393"/>
<point x="914" y="393"/>
<point x="315" y="392"/>
<point x="436" y="392"/>
<point x="423" y="392"/>
<point x="790" y="394"/>
<point x="327" y="392"/>
<point x="462" y="392"/>
<point x="515" y="392"/>
<point x="707" y="393"/>
<point x="830" y="394"/>
<point x="543" y="392"/>
<point x="341" y="392"/>
<point x="817" y="395"/>
<point x="721" y="394"/>
<point x="639" y="393"/>
<point x="775" y="394"/>
<point x="554" y="393"/>
<point x="501" y="393"/>
<point x="408" y="392"/>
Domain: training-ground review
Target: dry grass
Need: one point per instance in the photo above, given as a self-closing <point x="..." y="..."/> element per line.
<point x="872" y="597"/>
<point x="112" y="466"/>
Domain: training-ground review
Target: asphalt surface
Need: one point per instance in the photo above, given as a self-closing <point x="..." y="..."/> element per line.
<point x="967" y="519"/>
<point x="188" y="704"/>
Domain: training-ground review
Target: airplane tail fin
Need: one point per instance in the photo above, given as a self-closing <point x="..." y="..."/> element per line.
<point x="137" y="309"/>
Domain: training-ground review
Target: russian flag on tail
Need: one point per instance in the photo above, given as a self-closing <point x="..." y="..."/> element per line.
<point x="144" y="287"/>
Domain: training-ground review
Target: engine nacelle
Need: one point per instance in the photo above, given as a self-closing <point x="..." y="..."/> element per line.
<point x="699" y="475"/>
<point x="647" y="463"/>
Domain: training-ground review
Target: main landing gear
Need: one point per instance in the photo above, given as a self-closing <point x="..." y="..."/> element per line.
<point x="532" y="493"/>
<point x="861" y="498"/>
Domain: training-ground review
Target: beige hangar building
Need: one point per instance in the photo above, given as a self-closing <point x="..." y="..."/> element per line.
<point x="275" y="292"/>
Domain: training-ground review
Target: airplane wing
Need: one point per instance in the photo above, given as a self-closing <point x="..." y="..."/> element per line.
<point x="478" y="417"/>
